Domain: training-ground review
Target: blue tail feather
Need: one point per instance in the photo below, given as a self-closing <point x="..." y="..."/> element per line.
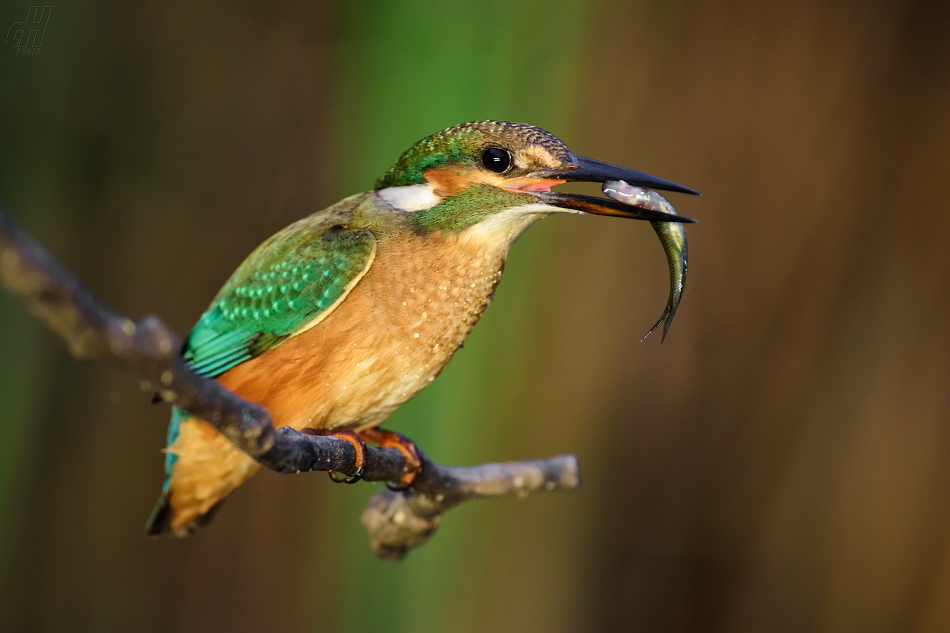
<point x="171" y="458"/>
<point x="158" y="523"/>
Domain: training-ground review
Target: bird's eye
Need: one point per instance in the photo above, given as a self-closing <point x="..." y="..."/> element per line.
<point x="496" y="159"/>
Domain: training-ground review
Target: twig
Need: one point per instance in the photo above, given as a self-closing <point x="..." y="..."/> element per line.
<point x="396" y="521"/>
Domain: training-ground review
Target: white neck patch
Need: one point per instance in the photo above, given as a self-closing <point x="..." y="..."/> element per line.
<point x="504" y="227"/>
<point x="410" y="198"/>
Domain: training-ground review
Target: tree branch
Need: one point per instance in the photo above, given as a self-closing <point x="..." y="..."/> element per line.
<point x="398" y="520"/>
<point x="395" y="520"/>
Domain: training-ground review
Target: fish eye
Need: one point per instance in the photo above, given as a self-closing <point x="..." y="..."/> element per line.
<point x="496" y="159"/>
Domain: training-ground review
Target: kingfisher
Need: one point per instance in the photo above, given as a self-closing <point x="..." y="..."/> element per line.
<point x="341" y="317"/>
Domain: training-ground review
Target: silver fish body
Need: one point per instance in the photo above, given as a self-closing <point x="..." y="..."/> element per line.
<point x="672" y="236"/>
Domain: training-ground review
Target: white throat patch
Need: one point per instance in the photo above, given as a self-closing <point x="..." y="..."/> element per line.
<point x="410" y="198"/>
<point x="505" y="226"/>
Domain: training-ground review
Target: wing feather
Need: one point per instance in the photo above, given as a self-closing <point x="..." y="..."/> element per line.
<point x="290" y="282"/>
<point x="285" y="287"/>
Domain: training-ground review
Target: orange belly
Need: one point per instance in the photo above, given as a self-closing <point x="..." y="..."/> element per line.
<point x="388" y="339"/>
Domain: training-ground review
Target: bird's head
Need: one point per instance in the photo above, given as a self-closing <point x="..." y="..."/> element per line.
<point x="490" y="170"/>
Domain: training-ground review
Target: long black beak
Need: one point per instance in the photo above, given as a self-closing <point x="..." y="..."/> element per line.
<point x="581" y="169"/>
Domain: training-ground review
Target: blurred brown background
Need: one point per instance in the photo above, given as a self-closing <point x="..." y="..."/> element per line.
<point x="780" y="464"/>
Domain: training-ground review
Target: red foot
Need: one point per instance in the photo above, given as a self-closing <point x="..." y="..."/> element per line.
<point x="391" y="439"/>
<point x="357" y="443"/>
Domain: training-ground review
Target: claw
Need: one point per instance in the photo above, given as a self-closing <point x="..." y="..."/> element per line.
<point x="391" y="439"/>
<point x="358" y="444"/>
<point x="342" y="478"/>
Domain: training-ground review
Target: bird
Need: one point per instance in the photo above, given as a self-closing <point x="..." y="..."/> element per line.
<point x="338" y="319"/>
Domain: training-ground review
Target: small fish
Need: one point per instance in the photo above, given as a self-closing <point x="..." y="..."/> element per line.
<point x="672" y="236"/>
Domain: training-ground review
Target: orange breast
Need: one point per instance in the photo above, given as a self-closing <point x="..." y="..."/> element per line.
<point x="389" y="338"/>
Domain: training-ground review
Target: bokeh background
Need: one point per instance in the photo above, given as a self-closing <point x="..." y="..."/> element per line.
<point x="780" y="464"/>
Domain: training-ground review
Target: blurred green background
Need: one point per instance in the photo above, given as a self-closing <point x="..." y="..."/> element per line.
<point x="780" y="464"/>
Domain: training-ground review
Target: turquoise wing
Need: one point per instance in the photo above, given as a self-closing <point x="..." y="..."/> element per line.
<point x="295" y="277"/>
<point x="281" y="288"/>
